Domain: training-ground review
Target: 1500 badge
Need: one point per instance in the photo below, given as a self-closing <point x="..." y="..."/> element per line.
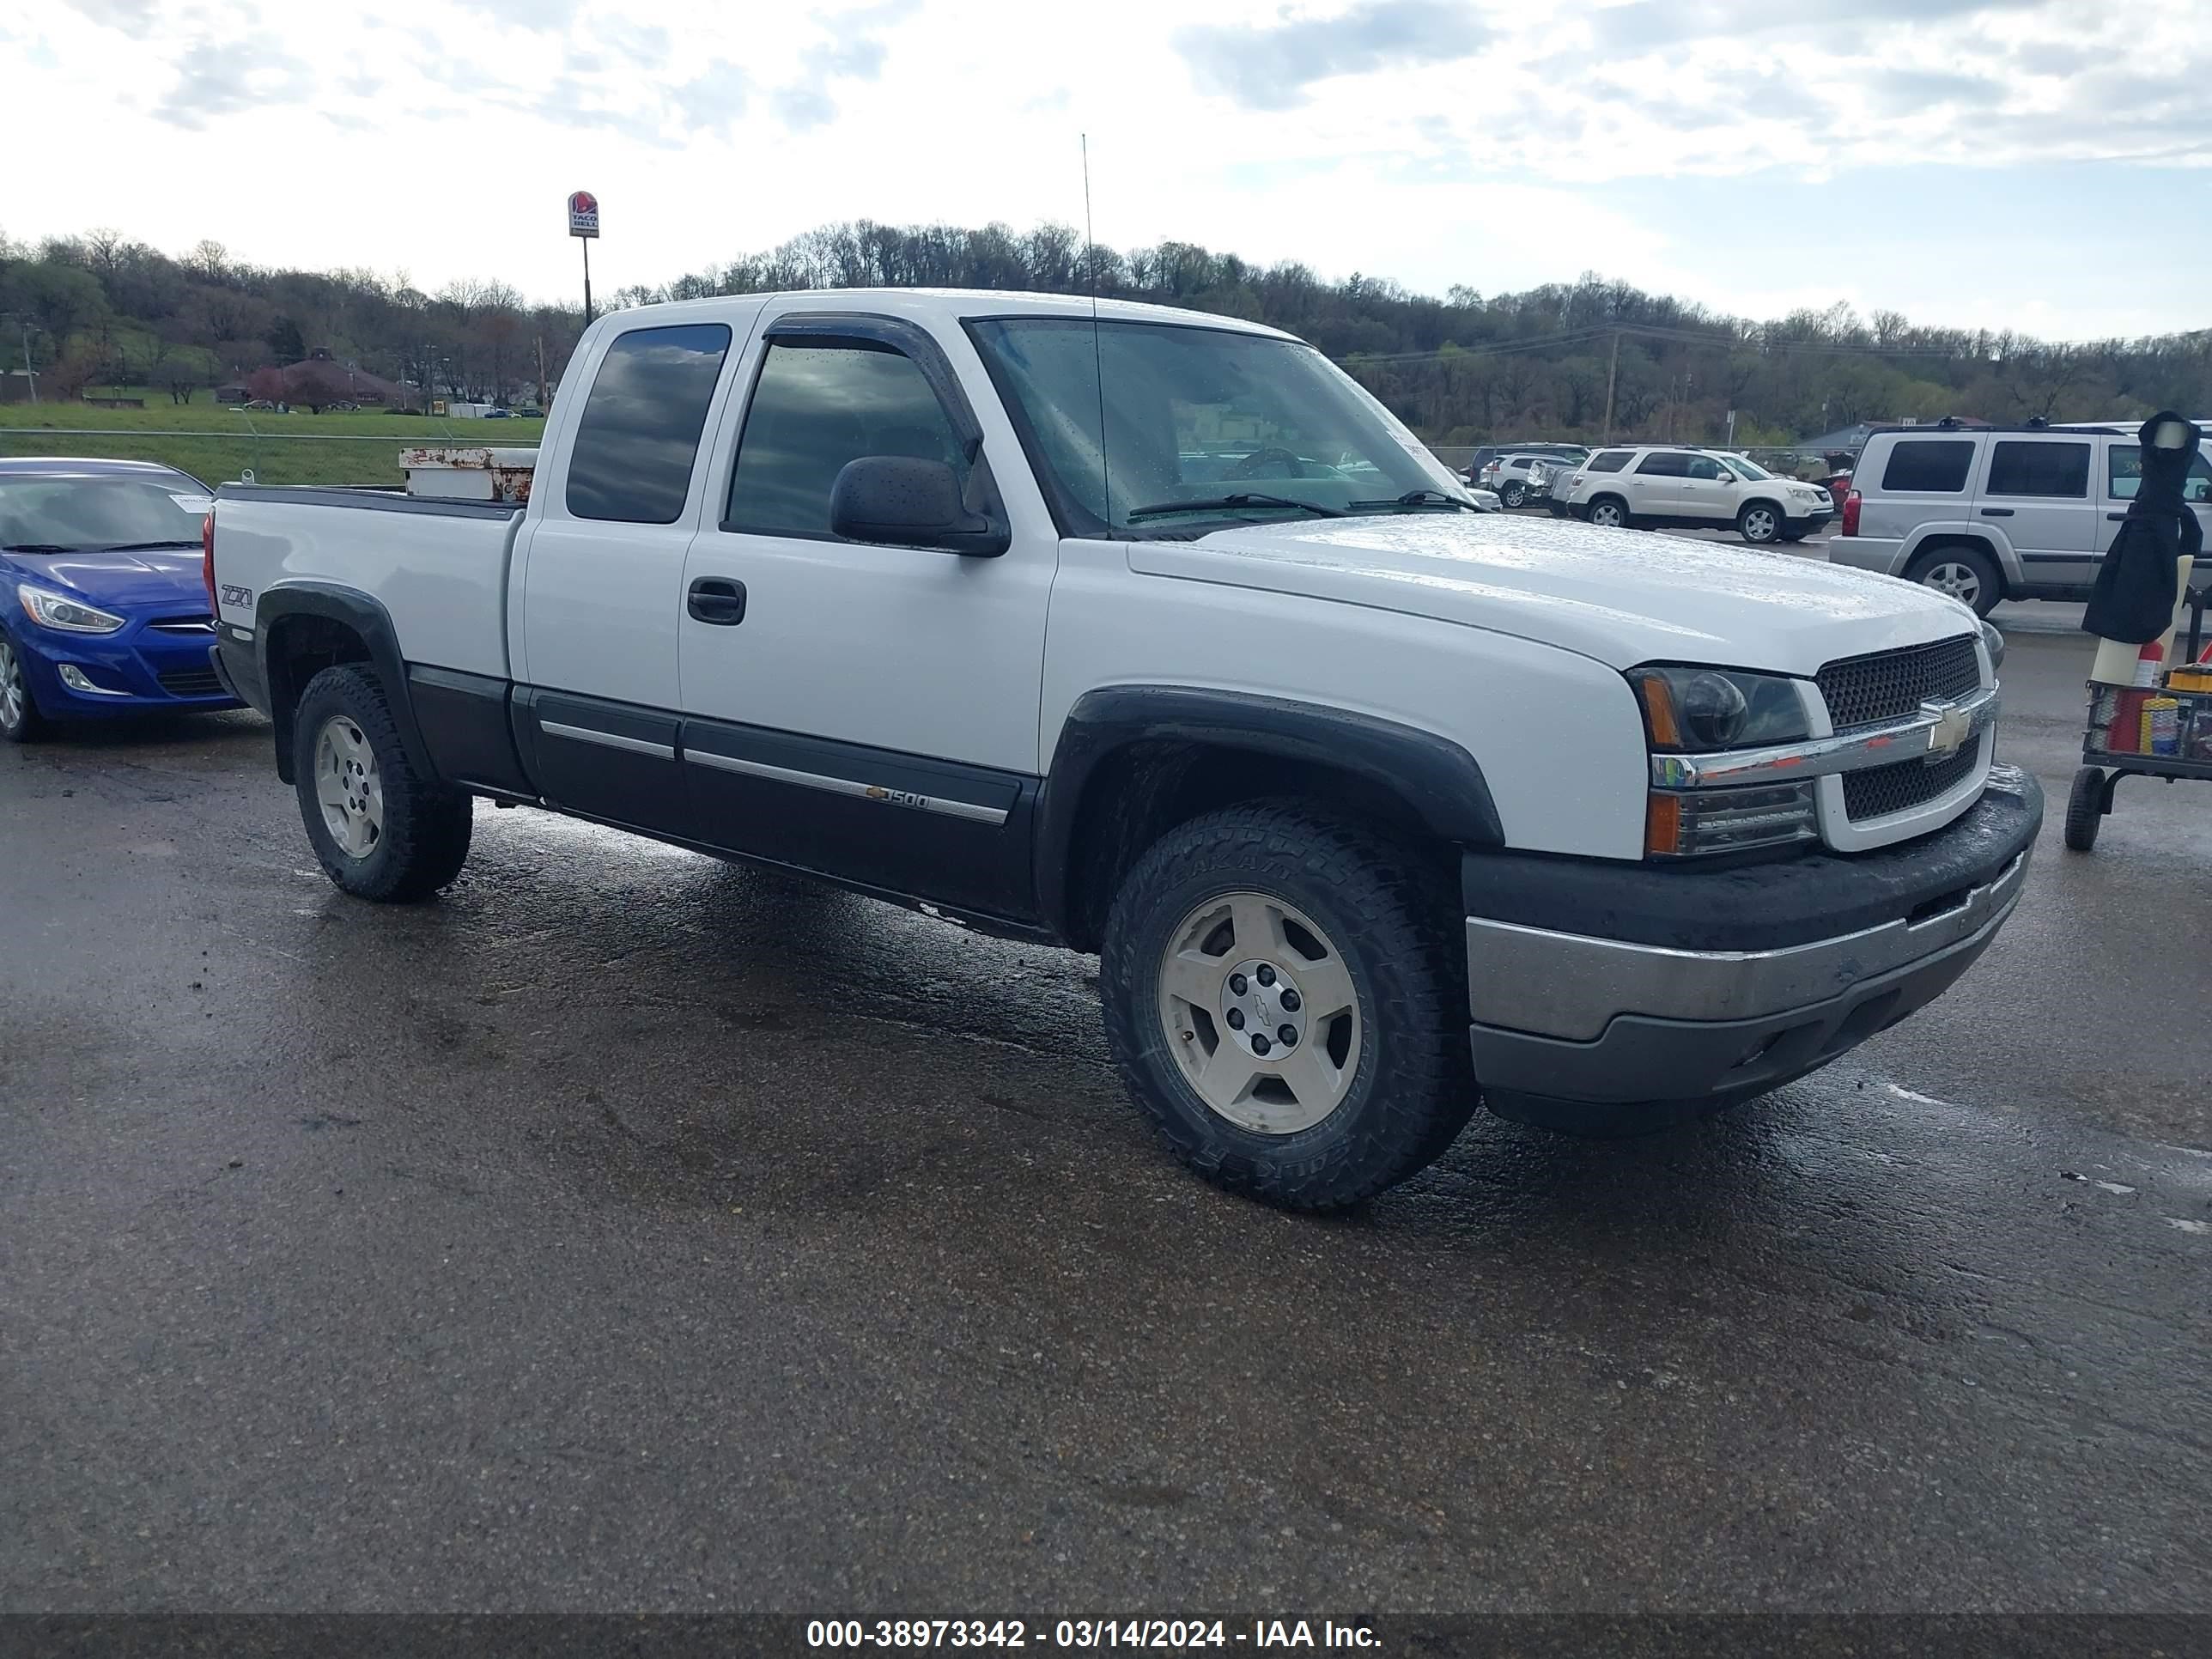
<point x="897" y="796"/>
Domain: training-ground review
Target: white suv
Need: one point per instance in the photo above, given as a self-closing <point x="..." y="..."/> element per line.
<point x="1667" y="484"/>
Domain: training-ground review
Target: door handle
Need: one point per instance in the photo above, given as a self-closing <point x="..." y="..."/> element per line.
<point x="718" y="600"/>
<point x="1996" y="513"/>
<point x="2115" y="517"/>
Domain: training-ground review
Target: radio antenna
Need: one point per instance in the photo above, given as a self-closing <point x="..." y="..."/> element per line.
<point x="1097" y="352"/>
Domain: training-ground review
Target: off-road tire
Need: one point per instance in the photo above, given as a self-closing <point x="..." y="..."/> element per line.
<point x="426" y="825"/>
<point x="1388" y="908"/>
<point x="2085" y="809"/>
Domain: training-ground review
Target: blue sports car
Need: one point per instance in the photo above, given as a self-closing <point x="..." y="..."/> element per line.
<point x="103" y="603"/>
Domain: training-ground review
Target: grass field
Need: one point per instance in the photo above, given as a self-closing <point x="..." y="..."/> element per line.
<point x="215" y="443"/>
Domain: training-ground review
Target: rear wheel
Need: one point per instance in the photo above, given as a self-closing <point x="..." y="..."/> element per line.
<point x="1759" y="522"/>
<point x="382" y="829"/>
<point x="1965" y="573"/>
<point x="1513" y="494"/>
<point x="2085" y="809"/>
<point x="19" y="719"/>
<point x="1609" y="512"/>
<point x="1287" y="1002"/>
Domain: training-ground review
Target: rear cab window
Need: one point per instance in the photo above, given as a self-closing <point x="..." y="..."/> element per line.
<point x="1934" y="466"/>
<point x="631" y="460"/>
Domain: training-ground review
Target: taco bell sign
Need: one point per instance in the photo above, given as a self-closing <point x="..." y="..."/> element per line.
<point x="583" y="214"/>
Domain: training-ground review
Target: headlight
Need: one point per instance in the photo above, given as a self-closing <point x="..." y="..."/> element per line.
<point x="1694" y="710"/>
<point x="52" y="610"/>
<point x="1995" y="642"/>
<point x="1690" y="710"/>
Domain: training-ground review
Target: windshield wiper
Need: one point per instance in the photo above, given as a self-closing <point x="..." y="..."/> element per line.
<point x="1421" y="498"/>
<point x="143" y="547"/>
<point x="1215" y="503"/>
<point x="36" y="547"/>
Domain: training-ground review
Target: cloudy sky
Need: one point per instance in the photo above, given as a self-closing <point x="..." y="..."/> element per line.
<point x="2043" y="165"/>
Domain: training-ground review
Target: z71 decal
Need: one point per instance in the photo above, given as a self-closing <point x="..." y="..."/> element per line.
<point x="241" y="597"/>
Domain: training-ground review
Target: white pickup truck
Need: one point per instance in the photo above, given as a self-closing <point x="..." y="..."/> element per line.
<point x="1152" y="633"/>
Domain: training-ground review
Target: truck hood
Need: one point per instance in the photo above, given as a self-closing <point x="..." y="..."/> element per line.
<point x="1624" y="597"/>
<point x="156" y="577"/>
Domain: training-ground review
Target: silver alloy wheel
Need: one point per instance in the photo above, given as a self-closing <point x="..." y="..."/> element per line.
<point x="1259" y="1009"/>
<point x="1961" y="581"/>
<point x="1514" y="494"/>
<point x="14" y="695"/>
<point x="1761" y="525"/>
<point x="349" y="787"/>
<point x="1607" y="516"/>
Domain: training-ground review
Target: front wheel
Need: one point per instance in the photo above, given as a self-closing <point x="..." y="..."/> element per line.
<point x="1759" y="523"/>
<point x="1285" y="998"/>
<point x="1609" y="512"/>
<point x="2085" y="809"/>
<point x="381" y="831"/>
<point x="19" y="720"/>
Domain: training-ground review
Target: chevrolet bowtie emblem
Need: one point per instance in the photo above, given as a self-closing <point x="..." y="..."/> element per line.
<point x="1953" y="726"/>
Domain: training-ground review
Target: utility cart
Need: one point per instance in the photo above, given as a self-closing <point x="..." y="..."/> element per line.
<point x="2160" y="731"/>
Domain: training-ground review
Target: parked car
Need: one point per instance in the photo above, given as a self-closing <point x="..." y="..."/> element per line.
<point x="1988" y="513"/>
<point x="1519" y="478"/>
<point x="1368" y="801"/>
<point x="1667" y="484"/>
<point x="1482" y="457"/>
<point x="103" y="610"/>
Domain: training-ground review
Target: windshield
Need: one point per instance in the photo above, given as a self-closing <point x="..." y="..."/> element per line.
<point x="1194" y="417"/>
<point x="1743" y="469"/>
<point x="87" y="513"/>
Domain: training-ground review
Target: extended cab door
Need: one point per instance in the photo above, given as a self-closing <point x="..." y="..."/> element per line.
<point x="866" y="711"/>
<point x="601" y="581"/>
<point x="2036" y="489"/>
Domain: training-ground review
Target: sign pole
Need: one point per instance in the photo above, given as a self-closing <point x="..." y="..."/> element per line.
<point x="584" y="226"/>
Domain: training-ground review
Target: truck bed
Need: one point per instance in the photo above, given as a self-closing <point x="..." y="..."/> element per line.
<point x="439" y="567"/>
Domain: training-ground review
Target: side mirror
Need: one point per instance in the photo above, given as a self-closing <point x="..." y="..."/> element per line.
<point x="902" y="502"/>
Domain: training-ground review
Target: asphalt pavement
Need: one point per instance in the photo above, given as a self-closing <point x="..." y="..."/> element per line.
<point x="624" y="1231"/>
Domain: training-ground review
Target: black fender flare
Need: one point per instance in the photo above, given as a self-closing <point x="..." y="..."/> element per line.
<point x="1435" y="776"/>
<point x="367" y="617"/>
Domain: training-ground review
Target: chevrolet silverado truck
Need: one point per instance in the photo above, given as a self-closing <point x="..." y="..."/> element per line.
<point x="1374" y="805"/>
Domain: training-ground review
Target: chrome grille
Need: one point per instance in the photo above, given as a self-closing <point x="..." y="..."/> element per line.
<point x="1891" y="685"/>
<point x="1880" y="790"/>
<point x="183" y="625"/>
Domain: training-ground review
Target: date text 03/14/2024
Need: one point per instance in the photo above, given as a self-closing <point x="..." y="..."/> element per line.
<point x="1167" y="1635"/>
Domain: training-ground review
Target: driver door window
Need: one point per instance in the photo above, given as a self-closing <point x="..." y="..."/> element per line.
<point x="816" y="407"/>
<point x="2124" y="475"/>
